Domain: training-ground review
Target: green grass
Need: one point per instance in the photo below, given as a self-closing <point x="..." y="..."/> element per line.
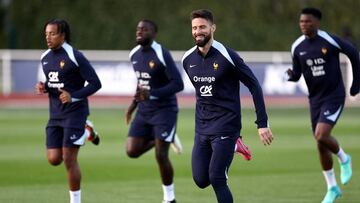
<point x="286" y="172"/>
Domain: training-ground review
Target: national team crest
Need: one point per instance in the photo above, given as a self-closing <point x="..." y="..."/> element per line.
<point x="62" y="64"/>
<point x="324" y="50"/>
<point x="151" y="64"/>
<point x="215" y="65"/>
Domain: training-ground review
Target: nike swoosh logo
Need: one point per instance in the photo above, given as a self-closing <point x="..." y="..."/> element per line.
<point x="45" y="63"/>
<point x="134" y="62"/>
<point x="224" y="137"/>
<point x="191" y="66"/>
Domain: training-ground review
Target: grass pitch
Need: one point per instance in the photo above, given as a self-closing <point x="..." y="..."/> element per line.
<point x="286" y="172"/>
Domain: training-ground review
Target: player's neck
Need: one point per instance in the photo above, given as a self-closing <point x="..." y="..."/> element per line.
<point x="205" y="49"/>
<point x="58" y="47"/>
<point x="148" y="45"/>
<point x="312" y="34"/>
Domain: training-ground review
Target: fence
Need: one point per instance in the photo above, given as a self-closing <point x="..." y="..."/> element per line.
<point x="20" y="70"/>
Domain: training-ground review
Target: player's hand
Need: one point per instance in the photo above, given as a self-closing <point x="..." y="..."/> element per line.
<point x="265" y="135"/>
<point x="288" y="74"/>
<point x="129" y="112"/>
<point x="40" y="88"/>
<point x="64" y="96"/>
<point x="142" y="94"/>
<point x="354" y="91"/>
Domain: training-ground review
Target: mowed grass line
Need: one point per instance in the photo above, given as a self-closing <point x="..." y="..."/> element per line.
<point x="288" y="171"/>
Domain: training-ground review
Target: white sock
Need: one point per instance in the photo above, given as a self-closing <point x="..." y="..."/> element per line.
<point x="330" y="178"/>
<point x="342" y="156"/>
<point x="168" y="190"/>
<point x="75" y="196"/>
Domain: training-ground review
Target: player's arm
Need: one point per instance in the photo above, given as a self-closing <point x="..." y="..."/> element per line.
<point x="175" y="81"/>
<point x="294" y="74"/>
<point x="130" y="110"/>
<point x="41" y="87"/>
<point x="353" y="54"/>
<point x="185" y="66"/>
<point x="247" y="77"/>
<point x="89" y="74"/>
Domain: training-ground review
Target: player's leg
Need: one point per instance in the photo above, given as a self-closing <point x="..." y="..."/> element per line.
<point x="324" y="118"/>
<point x="164" y="129"/>
<point x="165" y="168"/>
<point x="136" y="146"/>
<point x="54" y="156"/>
<point x="162" y="158"/>
<point x="330" y="113"/>
<point x="73" y="139"/>
<point x="72" y="167"/>
<point x="92" y="134"/>
<point x="200" y="160"/>
<point x="242" y="149"/>
<point x="219" y="165"/>
<point x="327" y="145"/>
<point x="73" y="173"/>
<point x="140" y="138"/>
<point x="54" y="140"/>
<point x="176" y="145"/>
<point x="325" y="157"/>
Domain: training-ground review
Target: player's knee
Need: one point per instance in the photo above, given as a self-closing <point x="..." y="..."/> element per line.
<point x="217" y="181"/>
<point x="55" y="161"/>
<point x="202" y="185"/>
<point x="201" y="182"/>
<point x="320" y="137"/>
<point x="132" y="153"/>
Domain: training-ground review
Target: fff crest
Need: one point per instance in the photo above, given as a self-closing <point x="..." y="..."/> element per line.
<point x="151" y="64"/>
<point x="324" y="50"/>
<point x="215" y="65"/>
<point x="62" y="64"/>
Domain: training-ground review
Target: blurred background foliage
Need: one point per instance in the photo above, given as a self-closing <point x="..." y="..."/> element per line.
<point x="245" y="25"/>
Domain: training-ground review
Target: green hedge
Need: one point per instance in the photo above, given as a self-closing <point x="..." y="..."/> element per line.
<point x="246" y="25"/>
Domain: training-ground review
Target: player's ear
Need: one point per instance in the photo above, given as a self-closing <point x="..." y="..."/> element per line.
<point x="213" y="27"/>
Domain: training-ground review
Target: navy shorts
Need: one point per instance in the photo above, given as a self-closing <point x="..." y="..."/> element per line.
<point x="160" y="125"/>
<point x="326" y="112"/>
<point x="211" y="159"/>
<point x="65" y="133"/>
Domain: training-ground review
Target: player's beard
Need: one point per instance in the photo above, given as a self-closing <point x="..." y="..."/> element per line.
<point x="202" y="43"/>
<point x="144" y="41"/>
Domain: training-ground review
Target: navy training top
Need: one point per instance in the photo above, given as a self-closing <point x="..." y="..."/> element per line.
<point x="156" y="71"/>
<point x="216" y="80"/>
<point x="317" y="59"/>
<point x="67" y="68"/>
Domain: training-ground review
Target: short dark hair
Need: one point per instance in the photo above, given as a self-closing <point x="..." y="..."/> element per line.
<point x="202" y="13"/>
<point x="152" y="24"/>
<point x="63" y="27"/>
<point x="312" y="11"/>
